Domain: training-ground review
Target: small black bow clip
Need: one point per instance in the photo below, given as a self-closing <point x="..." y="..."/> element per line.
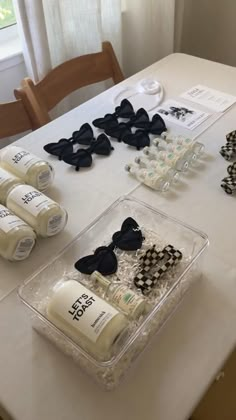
<point x="110" y="121"/>
<point x="139" y="139"/>
<point x="83" y="157"/>
<point x="125" y="109"/>
<point x="142" y="121"/>
<point x="118" y="131"/>
<point x="83" y="136"/>
<point x="104" y="260"/>
<point x="105" y="122"/>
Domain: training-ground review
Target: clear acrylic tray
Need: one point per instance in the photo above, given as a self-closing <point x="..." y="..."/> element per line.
<point x="158" y="228"/>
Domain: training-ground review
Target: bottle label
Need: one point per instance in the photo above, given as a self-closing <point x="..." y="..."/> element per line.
<point x="9" y="220"/>
<point x="161" y="167"/>
<point x="83" y="310"/>
<point x="177" y="149"/>
<point x="44" y="179"/>
<point x="5" y="176"/>
<point x="169" y="158"/>
<point x="20" y="159"/>
<point x="126" y="299"/>
<point x="30" y="199"/>
<point x="55" y="224"/>
<point x="24" y="248"/>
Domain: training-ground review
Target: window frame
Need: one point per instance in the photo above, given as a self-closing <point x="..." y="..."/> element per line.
<point x="8" y="33"/>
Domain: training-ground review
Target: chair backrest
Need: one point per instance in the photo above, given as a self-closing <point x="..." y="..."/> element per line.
<point x="68" y="77"/>
<point x="14" y="118"/>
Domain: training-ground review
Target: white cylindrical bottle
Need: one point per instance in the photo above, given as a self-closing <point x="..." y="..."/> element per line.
<point x="195" y="146"/>
<point x="169" y="158"/>
<point x="44" y="215"/>
<point x="159" y="166"/>
<point x="182" y="151"/>
<point x="121" y="296"/>
<point x="28" y="167"/>
<point x="148" y="177"/>
<point x="86" y="318"/>
<point x="17" y="239"/>
<point x="7" y="182"/>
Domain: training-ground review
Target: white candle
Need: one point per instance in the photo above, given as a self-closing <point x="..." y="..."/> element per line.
<point x="44" y="215"/>
<point x="7" y="182"/>
<point x="17" y="239"/>
<point x="30" y="168"/>
<point x="86" y="318"/>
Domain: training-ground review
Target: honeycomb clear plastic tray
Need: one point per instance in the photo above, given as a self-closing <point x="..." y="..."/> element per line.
<point x="159" y="229"/>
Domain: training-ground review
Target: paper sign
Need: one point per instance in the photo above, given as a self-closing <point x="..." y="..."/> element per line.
<point x="181" y="114"/>
<point x="212" y="99"/>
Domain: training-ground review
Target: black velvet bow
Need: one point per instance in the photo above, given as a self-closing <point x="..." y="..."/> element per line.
<point x="104" y="260"/>
<point x="118" y="131"/>
<point x="83" y="157"/>
<point x="139" y="139"/>
<point x="83" y="136"/>
<point x="125" y="109"/>
<point x="105" y="122"/>
<point x="141" y="120"/>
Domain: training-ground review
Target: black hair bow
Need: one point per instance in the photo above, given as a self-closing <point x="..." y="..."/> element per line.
<point x="104" y="260"/>
<point x="105" y="122"/>
<point x="141" y="120"/>
<point x="83" y="136"/>
<point x="83" y="157"/>
<point x="139" y="139"/>
<point x="125" y="109"/>
<point x="118" y="131"/>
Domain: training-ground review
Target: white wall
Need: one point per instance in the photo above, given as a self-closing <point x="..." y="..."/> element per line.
<point x="12" y="71"/>
<point x="209" y="30"/>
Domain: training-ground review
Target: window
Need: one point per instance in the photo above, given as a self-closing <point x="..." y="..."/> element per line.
<point x="7" y="14"/>
<point x="10" y="45"/>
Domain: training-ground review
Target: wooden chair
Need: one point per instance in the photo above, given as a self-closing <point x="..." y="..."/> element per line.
<point x="66" y="78"/>
<point x="14" y="118"/>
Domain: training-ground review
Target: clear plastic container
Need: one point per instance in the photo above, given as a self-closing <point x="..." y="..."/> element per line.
<point x="17" y="239"/>
<point x="30" y="168"/>
<point x="7" y="182"/>
<point x="44" y="215"/>
<point x="156" y="226"/>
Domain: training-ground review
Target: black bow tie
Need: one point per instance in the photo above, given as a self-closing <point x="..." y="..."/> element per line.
<point x="105" y="122"/>
<point x="141" y="120"/>
<point x="104" y="260"/>
<point x="82" y="136"/>
<point x="125" y="109"/>
<point x="82" y="158"/>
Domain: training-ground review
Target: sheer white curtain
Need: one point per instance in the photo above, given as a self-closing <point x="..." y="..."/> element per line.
<point x="52" y="31"/>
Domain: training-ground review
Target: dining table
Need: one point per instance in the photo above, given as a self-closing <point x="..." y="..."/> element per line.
<point x="37" y="381"/>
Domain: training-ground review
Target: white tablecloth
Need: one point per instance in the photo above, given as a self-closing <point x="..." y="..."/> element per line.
<point x="36" y="380"/>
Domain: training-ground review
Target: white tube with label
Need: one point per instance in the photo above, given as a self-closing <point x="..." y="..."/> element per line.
<point x="7" y="182"/>
<point x="86" y="318"/>
<point x="124" y="298"/>
<point x="44" y="215"/>
<point x="17" y="239"/>
<point x="30" y="168"/>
